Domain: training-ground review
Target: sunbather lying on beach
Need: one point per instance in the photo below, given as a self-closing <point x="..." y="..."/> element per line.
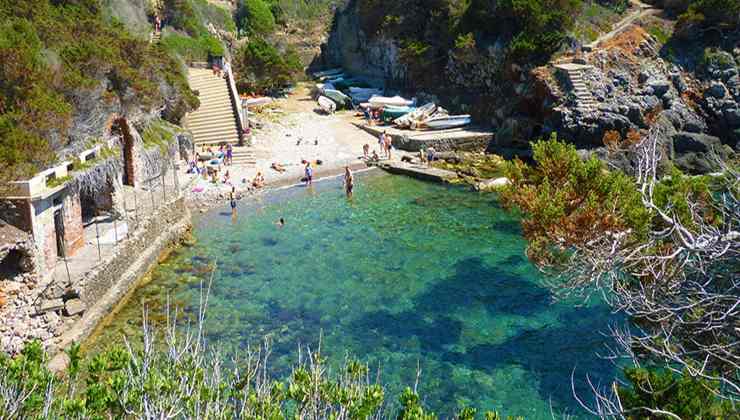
<point x="278" y="167"/>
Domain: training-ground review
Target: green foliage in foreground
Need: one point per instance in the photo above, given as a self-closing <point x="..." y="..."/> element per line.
<point x="190" y="382"/>
<point x="686" y="397"/>
<point x="712" y="13"/>
<point x="260" y="67"/>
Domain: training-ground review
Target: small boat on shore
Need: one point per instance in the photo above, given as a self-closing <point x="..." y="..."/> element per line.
<point x="337" y="96"/>
<point x="446" y="121"/>
<point x="391" y="113"/>
<point x="329" y="72"/>
<point x="382" y="101"/>
<point x="417" y="116"/>
<point x="363" y="94"/>
<point x="327" y="105"/>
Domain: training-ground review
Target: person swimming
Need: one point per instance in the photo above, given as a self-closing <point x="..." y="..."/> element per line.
<point x="280" y="222"/>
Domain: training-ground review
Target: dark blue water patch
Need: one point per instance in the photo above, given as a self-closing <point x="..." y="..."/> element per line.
<point x="269" y="242"/>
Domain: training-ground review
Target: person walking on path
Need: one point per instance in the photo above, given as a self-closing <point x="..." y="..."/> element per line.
<point x="229" y="154"/>
<point x="365" y="150"/>
<point x="381" y="143"/>
<point x="157" y="23"/>
<point x="388" y="145"/>
<point x="349" y="181"/>
<point x="309" y="174"/>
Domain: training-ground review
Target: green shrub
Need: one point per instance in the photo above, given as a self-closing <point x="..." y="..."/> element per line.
<point x="682" y="395"/>
<point x="191" y="48"/>
<point x="260" y="67"/>
<point x="255" y="17"/>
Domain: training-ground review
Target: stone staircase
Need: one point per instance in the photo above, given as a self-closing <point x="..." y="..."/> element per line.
<point x="155" y="37"/>
<point x="215" y="121"/>
<point x="243" y="156"/>
<point x="584" y="100"/>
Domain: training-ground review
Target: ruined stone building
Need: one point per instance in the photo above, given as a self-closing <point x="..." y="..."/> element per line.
<point x="48" y="212"/>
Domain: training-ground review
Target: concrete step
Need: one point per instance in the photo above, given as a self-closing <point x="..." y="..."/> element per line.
<point x="215" y="132"/>
<point x="204" y="118"/>
<point x="215" y="101"/>
<point x="220" y="140"/>
<point x="201" y="125"/>
<point x="221" y="108"/>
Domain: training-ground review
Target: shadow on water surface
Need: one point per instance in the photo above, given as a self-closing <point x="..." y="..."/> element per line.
<point x="548" y="353"/>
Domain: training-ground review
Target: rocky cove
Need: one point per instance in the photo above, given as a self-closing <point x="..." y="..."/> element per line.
<point x="622" y="84"/>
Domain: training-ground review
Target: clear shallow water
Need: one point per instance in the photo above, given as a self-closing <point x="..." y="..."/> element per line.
<point x="407" y="274"/>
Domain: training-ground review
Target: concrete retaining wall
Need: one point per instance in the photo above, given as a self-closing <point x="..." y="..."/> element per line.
<point x="104" y="288"/>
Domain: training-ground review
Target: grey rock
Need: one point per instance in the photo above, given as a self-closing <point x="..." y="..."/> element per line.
<point x="678" y="82"/>
<point x="684" y="142"/>
<point x="74" y="307"/>
<point x="50" y="305"/>
<point x="733" y="82"/>
<point x="660" y="87"/>
<point x="729" y="73"/>
<point x="716" y="90"/>
<point x="732" y="116"/>
<point x="643" y="77"/>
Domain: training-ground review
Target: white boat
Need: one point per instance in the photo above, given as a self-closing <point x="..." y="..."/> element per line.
<point x="416" y="116"/>
<point x="327" y="104"/>
<point x="336" y="96"/>
<point x="380" y="101"/>
<point x="446" y="121"/>
<point x="327" y="72"/>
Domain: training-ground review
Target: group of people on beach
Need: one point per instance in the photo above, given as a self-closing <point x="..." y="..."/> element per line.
<point x="385" y="144"/>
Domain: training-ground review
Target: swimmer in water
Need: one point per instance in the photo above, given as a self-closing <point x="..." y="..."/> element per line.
<point x="280" y="222"/>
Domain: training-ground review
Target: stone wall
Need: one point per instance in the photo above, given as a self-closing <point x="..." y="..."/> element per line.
<point x="107" y="286"/>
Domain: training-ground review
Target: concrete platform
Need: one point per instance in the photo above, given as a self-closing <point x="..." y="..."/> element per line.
<point x="463" y="139"/>
<point x="417" y="171"/>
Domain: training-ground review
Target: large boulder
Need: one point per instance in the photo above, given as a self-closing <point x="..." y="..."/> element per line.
<point x="716" y="90"/>
<point x="684" y="142"/>
<point x="660" y="87"/>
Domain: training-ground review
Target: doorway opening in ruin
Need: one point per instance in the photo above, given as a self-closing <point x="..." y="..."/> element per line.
<point x="121" y="128"/>
<point x="12" y="264"/>
<point x="96" y="200"/>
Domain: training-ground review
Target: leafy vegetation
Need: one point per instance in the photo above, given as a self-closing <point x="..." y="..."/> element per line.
<point x="56" y="57"/>
<point x="255" y="17"/>
<point x="686" y="397"/>
<point x="608" y="231"/>
<point x="567" y="201"/>
<point x="261" y="67"/>
<point x="716" y="14"/>
<point x="192" y="41"/>
<point x="191" y="383"/>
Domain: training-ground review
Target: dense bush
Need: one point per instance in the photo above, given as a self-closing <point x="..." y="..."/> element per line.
<point x="260" y="67"/>
<point x="190" y="17"/>
<point x="54" y="56"/>
<point x="255" y="17"/>
<point x="712" y="13"/>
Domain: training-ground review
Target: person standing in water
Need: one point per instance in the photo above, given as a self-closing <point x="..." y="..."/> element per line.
<point x="349" y="181"/>
<point x="309" y="174"/>
<point x="232" y="199"/>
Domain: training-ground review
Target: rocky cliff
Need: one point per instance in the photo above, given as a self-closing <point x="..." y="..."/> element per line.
<point x="627" y="81"/>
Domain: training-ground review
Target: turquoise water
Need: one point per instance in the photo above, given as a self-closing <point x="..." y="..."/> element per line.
<point x="407" y="274"/>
